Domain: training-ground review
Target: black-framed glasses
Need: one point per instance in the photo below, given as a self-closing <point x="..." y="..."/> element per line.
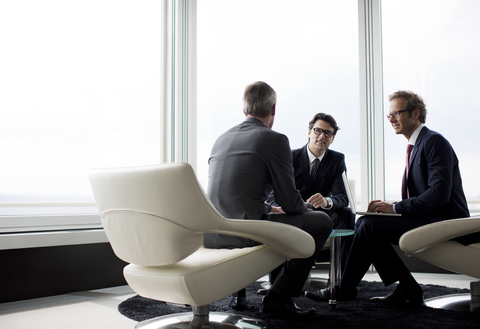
<point x="319" y="131"/>
<point x="396" y="114"/>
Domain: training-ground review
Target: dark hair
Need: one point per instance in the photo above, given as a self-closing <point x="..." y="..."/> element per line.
<point x="324" y="117"/>
<point x="259" y="99"/>
<point x="412" y="102"/>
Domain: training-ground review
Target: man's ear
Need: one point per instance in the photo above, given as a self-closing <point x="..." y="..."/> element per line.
<point x="273" y="109"/>
<point x="416" y="113"/>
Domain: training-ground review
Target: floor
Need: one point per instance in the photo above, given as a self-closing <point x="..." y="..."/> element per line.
<point x="98" y="308"/>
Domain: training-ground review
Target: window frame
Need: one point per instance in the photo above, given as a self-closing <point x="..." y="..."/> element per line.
<point x="179" y="113"/>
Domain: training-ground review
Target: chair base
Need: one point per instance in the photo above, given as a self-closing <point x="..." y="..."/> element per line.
<point x="450" y="302"/>
<point x="216" y="320"/>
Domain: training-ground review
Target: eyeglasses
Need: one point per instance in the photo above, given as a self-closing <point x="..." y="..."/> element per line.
<point x="396" y="114"/>
<point x="319" y="131"/>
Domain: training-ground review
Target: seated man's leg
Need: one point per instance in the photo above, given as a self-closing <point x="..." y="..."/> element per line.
<point x="388" y="231"/>
<point x="374" y="236"/>
<point x="272" y="276"/>
<point x="292" y="277"/>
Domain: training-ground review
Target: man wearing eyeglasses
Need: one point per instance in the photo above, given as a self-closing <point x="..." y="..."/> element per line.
<point x="318" y="177"/>
<point x="431" y="191"/>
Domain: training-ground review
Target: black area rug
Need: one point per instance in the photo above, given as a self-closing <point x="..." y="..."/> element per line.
<point x="360" y="313"/>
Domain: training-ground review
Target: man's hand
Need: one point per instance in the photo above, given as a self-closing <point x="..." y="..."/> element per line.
<point x="380" y="206"/>
<point x="277" y="210"/>
<point x="317" y="200"/>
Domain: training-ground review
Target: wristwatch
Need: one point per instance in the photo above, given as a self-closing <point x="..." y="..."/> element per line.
<point x="329" y="203"/>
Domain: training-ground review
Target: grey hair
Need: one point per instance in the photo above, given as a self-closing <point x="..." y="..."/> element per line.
<point x="258" y="99"/>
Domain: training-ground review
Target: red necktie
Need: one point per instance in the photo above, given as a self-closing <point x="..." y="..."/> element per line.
<point x="409" y="151"/>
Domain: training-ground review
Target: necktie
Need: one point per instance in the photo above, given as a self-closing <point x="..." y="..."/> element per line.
<point x="407" y="160"/>
<point x="313" y="173"/>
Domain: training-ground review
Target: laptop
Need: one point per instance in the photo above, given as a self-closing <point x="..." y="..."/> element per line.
<point x="351" y="201"/>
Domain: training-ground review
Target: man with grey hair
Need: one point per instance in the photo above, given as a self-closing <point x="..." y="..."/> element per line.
<point x="246" y="163"/>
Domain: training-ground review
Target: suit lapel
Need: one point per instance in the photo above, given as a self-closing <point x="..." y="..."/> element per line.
<point x="415" y="150"/>
<point x="417" y="146"/>
<point x="305" y="165"/>
<point x="323" y="165"/>
<point x="322" y="169"/>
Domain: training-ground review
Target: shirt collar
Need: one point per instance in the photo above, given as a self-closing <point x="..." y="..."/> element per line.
<point x="312" y="157"/>
<point x="415" y="134"/>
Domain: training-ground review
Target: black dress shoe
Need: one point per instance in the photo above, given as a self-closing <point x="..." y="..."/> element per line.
<point x="238" y="303"/>
<point x="402" y="294"/>
<point x="323" y="295"/>
<point x="276" y="307"/>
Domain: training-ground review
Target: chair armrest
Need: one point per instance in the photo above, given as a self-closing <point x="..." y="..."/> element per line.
<point x="431" y="235"/>
<point x="288" y="240"/>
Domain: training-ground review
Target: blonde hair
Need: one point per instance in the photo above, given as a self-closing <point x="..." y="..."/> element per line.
<point x="412" y="102"/>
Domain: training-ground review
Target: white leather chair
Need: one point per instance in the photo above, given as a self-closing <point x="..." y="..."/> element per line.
<point x="155" y="217"/>
<point x="433" y="243"/>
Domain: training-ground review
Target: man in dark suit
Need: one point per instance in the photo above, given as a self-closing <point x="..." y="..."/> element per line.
<point x="246" y="163"/>
<point x="431" y="191"/>
<point x="326" y="192"/>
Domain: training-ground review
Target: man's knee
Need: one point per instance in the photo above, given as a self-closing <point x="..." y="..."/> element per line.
<point x="317" y="223"/>
<point x="343" y="218"/>
<point x="364" y="223"/>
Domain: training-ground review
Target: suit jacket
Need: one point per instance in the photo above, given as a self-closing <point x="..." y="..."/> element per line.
<point x="328" y="181"/>
<point x="246" y="163"/>
<point x="434" y="180"/>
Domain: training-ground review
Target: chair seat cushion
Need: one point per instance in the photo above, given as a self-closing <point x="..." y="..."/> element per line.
<point x="475" y="245"/>
<point x="454" y="256"/>
<point x="205" y="276"/>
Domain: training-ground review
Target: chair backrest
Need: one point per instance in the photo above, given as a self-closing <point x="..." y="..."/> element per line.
<point x="351" y="184"/>
<point x="153" y="215"/>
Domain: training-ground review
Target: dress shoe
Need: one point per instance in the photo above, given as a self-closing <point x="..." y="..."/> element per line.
<point x="238" y="303"/>
<point x="402" y="294"/>
<point x="276" y="307"/>
<point x="323" y="295"/>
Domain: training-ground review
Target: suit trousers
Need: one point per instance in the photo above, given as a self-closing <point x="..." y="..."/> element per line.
<point x="343" y="218"/>
<point x="373" y="244"/>
<point x="295" y="272"/>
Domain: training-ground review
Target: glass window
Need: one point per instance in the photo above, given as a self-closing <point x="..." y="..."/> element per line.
<point x="306" y="50"/>
<point x="79" y="88"/>
<point x="432" y="49"/>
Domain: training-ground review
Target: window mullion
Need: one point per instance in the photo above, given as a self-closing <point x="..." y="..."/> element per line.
<point x="371" y="101"/>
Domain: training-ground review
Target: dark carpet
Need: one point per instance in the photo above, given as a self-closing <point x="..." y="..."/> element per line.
<point x="360" y="313"/>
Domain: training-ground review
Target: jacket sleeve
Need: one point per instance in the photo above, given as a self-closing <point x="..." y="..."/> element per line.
<point x="432" y="175"/>
<point x="283" y="181"/>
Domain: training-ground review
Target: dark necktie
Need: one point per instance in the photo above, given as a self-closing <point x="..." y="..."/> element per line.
<point x="407" y="160"/>
<point x="313" y="173"/>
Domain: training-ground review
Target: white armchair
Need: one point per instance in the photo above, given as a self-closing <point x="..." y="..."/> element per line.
<point x="433" y="243"/>
<point x="155" y="217"/>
